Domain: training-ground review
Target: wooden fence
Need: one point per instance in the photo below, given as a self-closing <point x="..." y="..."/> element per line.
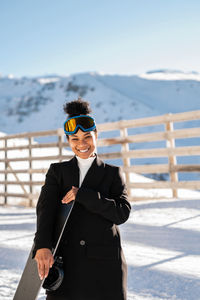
<point x="130" y="135"/>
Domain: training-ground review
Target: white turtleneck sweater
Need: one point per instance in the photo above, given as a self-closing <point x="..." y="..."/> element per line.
<point x="84" y="165"/>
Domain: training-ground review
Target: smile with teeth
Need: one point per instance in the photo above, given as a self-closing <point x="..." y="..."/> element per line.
<point x="83" y="151"/>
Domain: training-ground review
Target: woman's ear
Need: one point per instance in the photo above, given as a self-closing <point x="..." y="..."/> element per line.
<point x="96" y="134"/>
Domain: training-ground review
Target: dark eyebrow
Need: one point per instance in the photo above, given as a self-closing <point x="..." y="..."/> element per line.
<point x="85" y="134"/>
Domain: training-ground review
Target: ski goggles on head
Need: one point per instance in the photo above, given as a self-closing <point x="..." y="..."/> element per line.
<point x="84" y="122"/>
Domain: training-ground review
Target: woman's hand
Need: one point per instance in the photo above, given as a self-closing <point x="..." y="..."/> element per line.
<point x="45" y="261"/>
<point x="70" y="196"/>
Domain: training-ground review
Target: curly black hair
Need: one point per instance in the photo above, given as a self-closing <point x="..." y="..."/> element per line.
<point x="77" y="108"/>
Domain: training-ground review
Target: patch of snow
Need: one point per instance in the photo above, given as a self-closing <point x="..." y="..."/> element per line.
<point x="161" y="242"/>
<point x="48" y="80"/>
<point x="166" y="74"/>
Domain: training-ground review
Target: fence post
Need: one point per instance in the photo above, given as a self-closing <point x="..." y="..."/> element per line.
<point x="171" y="159"/>
<point x="60" y="143"/>
<point x="126" y="161"/>
<point x="6" y="168"/>
<point x="30" y="139"/>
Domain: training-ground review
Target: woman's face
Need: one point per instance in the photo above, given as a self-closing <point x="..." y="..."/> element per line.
<point x="83" y="144"/>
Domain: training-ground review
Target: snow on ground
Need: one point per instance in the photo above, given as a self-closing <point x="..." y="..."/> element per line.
<point x="161" y="242"/>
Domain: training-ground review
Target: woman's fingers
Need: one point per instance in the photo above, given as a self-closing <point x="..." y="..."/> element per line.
<point x="51" y="261"/>
<point x="45" y="261"/>
<point x="43" y="270"/>
<point x="67" y="200"/>
<point x="71" y="195"/>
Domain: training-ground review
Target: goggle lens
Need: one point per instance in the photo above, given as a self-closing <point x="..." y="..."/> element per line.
<point x="85" y="123"/>
<point x="70" y="125"/>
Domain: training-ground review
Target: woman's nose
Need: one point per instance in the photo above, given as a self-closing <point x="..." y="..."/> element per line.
<point x="82" y="143"/>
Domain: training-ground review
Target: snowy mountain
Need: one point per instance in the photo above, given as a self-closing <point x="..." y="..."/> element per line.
<point x="32" y="104"/>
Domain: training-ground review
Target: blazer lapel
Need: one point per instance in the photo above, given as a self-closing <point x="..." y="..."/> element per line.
<point x="95" y="174"/>
<point x="71" y="173"/>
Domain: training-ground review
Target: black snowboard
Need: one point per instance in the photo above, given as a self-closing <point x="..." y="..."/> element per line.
<point x="30" y="282"/>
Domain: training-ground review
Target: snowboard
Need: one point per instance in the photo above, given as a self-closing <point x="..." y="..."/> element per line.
<point x="30" y="282"/>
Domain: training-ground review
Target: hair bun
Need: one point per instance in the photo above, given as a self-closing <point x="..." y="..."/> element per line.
<point x="77" y="108"/>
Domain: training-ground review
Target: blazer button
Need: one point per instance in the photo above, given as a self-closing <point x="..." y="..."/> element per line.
<point x="82" y="242"/>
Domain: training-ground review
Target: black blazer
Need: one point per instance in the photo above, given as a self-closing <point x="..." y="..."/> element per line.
<point x="100" y="205"/>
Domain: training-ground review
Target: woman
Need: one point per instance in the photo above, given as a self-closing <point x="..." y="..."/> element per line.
<point x="94" y="264"/>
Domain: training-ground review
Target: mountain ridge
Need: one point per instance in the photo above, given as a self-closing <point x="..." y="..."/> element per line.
<point x="35" y="103"/>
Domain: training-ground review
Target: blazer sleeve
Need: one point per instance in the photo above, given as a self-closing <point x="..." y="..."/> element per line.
<point x="115" y="208"/>
<point x="46" y="210"/>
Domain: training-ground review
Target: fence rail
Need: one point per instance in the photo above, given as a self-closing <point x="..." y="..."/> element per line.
<point x="35" y="157"/>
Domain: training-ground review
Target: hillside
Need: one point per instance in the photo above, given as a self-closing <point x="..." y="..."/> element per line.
<point x="31" y="104"/>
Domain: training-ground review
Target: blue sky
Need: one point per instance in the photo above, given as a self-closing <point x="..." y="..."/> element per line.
<point x="41" y="37"/>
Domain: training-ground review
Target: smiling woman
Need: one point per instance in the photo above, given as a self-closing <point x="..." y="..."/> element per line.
<point x="80" y="129"/>
<point x="83" y="144"/>
<point x="93" y="260"/>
